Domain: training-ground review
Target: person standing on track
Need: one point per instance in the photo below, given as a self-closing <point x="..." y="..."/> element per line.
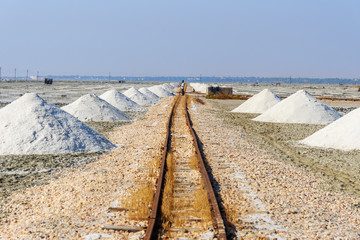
<point x="182" y="87"/>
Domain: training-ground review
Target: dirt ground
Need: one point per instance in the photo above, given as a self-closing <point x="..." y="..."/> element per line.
<point x="340" y="169"/>
<point x="18" y="172"/>
<point x="22" y="171"/>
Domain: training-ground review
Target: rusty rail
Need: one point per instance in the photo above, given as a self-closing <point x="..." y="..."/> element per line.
<point x="155" y="221"/>
<point x="217" y="217"/>
<point x="155" y="217"/>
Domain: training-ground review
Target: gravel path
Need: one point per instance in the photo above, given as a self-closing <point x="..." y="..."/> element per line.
<point x="266" y="196"/>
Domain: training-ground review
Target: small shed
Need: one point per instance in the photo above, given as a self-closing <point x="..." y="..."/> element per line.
<point x="219" y="91"/>
<point x="48" y="81"/>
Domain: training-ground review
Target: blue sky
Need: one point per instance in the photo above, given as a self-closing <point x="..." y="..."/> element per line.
<point x="277" y="38"/>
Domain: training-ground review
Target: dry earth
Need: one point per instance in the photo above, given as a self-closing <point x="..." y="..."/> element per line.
<point x="269" y="186"/>
<point x="73" y="203"/>
<point x="18" y="172"/>
<point x="341" y="169"/>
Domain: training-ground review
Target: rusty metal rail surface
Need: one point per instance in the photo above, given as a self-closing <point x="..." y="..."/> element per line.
<point x="216" y="214"/>
<point x="152" y="231"/>
<point x="155" y="216"/>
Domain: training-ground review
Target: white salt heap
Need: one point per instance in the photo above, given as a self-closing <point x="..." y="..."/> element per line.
<point x="301" y="107"/>
<point x="139" y="97"/>
<point x="200" y="87"/>
<point x="90" y="108"/>
<point x="121" y="101"/>
<point x="343" y="134"/>
<point x="258" y="103"/>
<point x="160" y="91"/>
<point x="168" y="88"/>
<point x="168" y="85"/>
<point x="174" y="84"/>
<point x="29" y="125"/>
<point x="149" y="94"/>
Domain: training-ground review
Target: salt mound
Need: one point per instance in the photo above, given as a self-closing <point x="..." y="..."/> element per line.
<point x="160" y="91"/>
<point x="168" y="88"/>
<point x="195" y="86"/>
<point x="149" y="94"/>
<point x="173" y="84"/>
<point x="90" y="108"/>
<point x="200" y="87"/>
<point x="29" y="125"/>
<point x="139" y="97"/>
<point x="121" y="101"/>
<point x="259" y="103"/>
<point x="168" y="85"/>
<point x="301" y="107"/>
<point x="343" y="134"/>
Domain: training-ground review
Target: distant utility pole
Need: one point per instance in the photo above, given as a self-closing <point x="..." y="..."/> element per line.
<point x="27" y="74"/>
<point x="37" y="75"/>
<point x="15" y="74"/>
<point x="109" y="76"/>
<point x="200" y="78"/>
<point x="0" y="73"/>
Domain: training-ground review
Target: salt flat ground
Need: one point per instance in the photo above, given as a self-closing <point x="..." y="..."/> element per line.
<point x="335" y="171"/>
<point x="273" y="187"/>
<point x="35" y="167"/>
<point x="64" y="92"/>
<point x="341" y="169"/>
<point x="21" y="171"/>
<point x="325" y="90"/>
<point x="61" y="92"/>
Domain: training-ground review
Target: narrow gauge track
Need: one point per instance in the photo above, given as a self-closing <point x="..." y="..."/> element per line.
<point x="184" y="203"/>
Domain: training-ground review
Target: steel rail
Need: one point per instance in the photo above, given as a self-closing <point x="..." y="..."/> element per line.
<point x="155" y="221"/>
<point x="155" y="216"/>
<point x="216" y="214"/>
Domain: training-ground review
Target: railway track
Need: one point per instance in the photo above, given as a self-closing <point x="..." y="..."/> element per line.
<point x="184" y="204"/>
